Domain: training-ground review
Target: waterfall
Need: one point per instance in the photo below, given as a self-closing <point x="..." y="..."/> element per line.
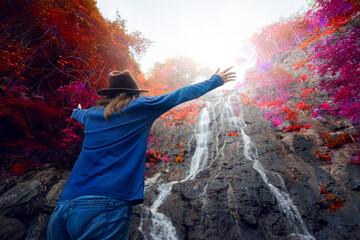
<point x="284" y="200"/>
<point x="221" y="113"/>
<point x="162" y="225"/>
<point x="201" y="154"/>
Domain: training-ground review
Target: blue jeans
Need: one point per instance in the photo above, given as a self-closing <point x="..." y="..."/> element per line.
<point x="90" y="217"/>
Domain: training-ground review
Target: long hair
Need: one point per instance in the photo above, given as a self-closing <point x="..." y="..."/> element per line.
<point x="115" y="104"/>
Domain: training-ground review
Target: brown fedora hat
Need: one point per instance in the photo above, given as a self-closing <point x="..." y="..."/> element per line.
<point x="119" y="82"/>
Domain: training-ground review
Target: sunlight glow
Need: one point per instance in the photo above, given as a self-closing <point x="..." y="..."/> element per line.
<point x="212" y="33"/>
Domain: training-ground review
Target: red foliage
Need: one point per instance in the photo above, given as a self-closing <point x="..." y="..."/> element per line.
<point x="307" y="91"/>
<point x="76" y="93"/>
<point x="264" y="103"/>
<point x="283" y="35"/>
<point x="21" y="168"/>
<point x="57" y="42"/>
<point x="275" y="118"/>
<point x="290" y="114"/>
<point x="244" y="99"/>
<point x="296" y="128"/>
<point x="271" y="86"/>
<point x="153" y="156"/>
<point x="335" y="11"/>
<point x="335" y="56"/>
<point x="173" y="74"/>
<point x="322" y="109"/>
<point x="178" y="158"/>
<point x="72" y="134"/>
<point x="151" y="139"/>
<point x="336" y="202"/>
<point x="300" y="64"/>
<point x="337" y="140"/>
<point x="302" y="78"/>
<point x="232" y="134"/>
<point x="323" y="157"/>
<point x="318" y="35"/>
<point x="355" y="160"/>
<point x="183" y="114"/>
<point x="330" y="38"/>
<point x="31" y="125"/>
<point x="52" y="54"/>
<point x="303" y="106"/>
<point x="333" y="52"/>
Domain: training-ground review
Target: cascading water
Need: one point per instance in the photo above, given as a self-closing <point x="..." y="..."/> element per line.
<point x="201" y="154"/>
<point x="162" y="225"/>
<point x="284" y="201"/>
<point x="215" y="119"/>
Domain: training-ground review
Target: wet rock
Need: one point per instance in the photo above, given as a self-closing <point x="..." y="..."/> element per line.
<point x="16" y="200"/>
<point x="55" y="191"/>
<point x="354" y="180"/>
<point x="304" y="148"/>
<point x="38" y="229"/>
<point x="11" y="229"/>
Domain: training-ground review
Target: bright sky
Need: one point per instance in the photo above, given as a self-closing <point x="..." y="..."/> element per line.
<point x="211" y="32"/>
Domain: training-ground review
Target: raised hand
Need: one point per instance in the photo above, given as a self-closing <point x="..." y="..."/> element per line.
<point x="78" y="107"/>
<point x="226" y="76"/>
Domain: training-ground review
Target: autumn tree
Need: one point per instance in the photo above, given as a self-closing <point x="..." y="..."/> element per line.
<point x="329" y="35"/>
<point x="173" y="74"/>
<point x="53" y="54"/>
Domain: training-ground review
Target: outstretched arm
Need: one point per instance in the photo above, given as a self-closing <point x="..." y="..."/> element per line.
<point x="159" y="105"/>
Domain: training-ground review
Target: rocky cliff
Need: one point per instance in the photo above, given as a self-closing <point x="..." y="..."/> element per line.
<point x="260" y="183"/>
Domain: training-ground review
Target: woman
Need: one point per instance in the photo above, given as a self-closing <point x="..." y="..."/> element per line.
<point x="108" y="176"/>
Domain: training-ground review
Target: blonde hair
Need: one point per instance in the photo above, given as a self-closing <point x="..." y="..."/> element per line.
<point x="115" y="104"/>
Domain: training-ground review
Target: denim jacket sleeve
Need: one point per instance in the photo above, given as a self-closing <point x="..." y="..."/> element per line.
<point x="79" y="115"/>
<point x="161" y="104"/>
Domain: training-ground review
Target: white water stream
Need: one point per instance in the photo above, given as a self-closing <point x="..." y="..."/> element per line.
<point x="201" y="154"/>
<point x="284" y="200"/>
<point x="162" y="227"/>
<point x="227" y="113"/>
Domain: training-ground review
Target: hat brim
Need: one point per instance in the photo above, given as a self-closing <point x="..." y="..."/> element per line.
<point x="113" y="91"/>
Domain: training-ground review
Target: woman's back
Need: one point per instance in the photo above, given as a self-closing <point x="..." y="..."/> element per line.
<point x="108" y="176"/>
<point x="112" y="160"/>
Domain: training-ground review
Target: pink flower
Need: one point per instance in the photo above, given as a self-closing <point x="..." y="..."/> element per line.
<point x="276" y="122"/>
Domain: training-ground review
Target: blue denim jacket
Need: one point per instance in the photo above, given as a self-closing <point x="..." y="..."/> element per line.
<point x="112" y="159"/>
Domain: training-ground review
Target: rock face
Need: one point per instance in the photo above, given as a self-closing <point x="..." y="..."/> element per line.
<point x="26" y="203"/>
<point x="258" y="183"/>
<point x="261" y="184"/>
